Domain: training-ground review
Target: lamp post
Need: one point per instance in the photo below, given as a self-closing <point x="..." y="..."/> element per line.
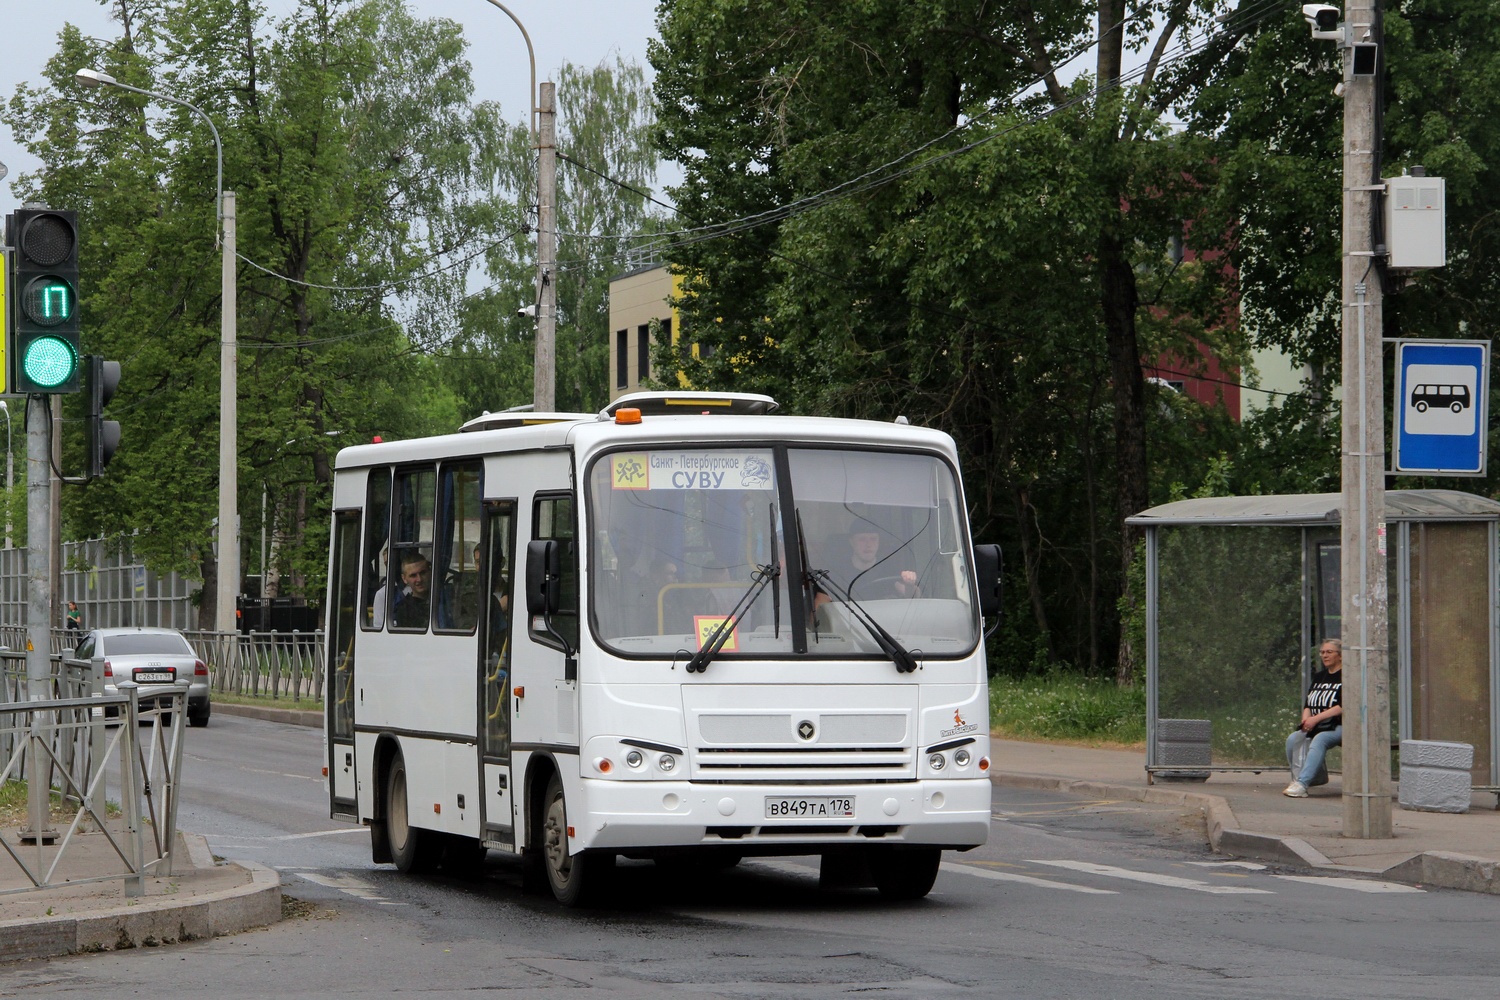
<point x="543" y="104"/>
<point x="10" y="469"/>
<point x="229" y="522"/>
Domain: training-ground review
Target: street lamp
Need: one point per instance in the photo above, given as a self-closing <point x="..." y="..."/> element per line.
<point x="229" y="521"/>
<point x="543" y="103"/>
<point x="10" y="473"/>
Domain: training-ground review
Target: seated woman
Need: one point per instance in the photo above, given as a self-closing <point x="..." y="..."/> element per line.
<point x="1322" y="723"/>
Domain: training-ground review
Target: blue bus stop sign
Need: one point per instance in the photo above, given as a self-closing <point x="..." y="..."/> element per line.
<point x="1441" y="407"/>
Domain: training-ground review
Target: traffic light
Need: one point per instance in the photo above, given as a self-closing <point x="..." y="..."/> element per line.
<point x="43" y="351"/>
<point x="103" y="435"/>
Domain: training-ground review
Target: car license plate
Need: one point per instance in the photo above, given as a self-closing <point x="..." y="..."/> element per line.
<point x="154" y="677"/>
<point x="809" y="806"/>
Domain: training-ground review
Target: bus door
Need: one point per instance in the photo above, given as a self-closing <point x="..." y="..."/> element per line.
<point x="498" y="545"/>
<point x="339" y="698"/>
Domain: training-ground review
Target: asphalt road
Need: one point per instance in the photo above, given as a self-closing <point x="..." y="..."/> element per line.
<point x="1070" y="898"/>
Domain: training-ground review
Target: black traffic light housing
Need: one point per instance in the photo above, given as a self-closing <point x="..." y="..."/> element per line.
<point x="43" y="354"/>
<point x="103" y="435"/>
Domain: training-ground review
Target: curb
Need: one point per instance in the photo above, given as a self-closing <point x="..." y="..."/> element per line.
<point x="286" y="716"/>
<point x="148" y="924"/>
<point x="1223" y="835"/>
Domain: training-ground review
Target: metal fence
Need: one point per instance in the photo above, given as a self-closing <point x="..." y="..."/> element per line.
<point x="66" y="740"/>
<point x="276" y="665"/>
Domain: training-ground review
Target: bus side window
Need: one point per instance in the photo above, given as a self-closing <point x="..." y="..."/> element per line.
<point x="552" y="517"/>
<point x="377" y="552"/>
<point x="457" y="556"/>
<point x="411" y="575"/>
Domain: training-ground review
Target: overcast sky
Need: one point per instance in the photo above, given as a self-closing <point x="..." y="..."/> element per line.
<point x="583" y="32"/>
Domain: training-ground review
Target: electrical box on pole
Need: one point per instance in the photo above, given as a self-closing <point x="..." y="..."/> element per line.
<point x="44" y="355"/>
<point x="1415" y="221"/>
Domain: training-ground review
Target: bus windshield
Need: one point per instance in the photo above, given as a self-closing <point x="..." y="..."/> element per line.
<point x="682" y="536"/>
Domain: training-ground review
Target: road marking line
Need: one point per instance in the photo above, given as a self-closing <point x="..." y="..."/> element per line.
<point x="242" y="840"/>
<point x="788" y="867"/>
<point x="321" y="833"/>
<point x="1247" y="865"/>
<point x="348" y="884"/>
<point x="1170" y="881"/>
<point x="1043" y="883"/>
<point x="1357" y="884"/>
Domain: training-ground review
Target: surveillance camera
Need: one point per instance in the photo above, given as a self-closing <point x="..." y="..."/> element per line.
<point x="527" y="311"/>
<point x="1324" y="19"/>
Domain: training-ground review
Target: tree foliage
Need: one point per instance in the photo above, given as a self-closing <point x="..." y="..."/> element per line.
<point x="368" y="182"/>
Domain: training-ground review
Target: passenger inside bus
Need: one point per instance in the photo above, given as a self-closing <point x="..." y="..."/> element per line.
<point x="414" y="601"/>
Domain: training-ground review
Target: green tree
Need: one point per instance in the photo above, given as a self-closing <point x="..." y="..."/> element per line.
<point x="351" y="142"/>
<point x="905" y="225"/>
<point x="605" y="171"/>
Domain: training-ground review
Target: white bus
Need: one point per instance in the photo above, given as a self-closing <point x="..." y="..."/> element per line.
<point x="682" y="629"/>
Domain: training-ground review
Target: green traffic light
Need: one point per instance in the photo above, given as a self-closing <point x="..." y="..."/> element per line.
<point x="49" y="361"/>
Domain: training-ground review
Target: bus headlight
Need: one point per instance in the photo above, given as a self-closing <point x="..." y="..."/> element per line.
<point x="666" y="762"/>
<point x="961" y="757"/>
<point x="937" y="761"/>
<point x="635" y="758"/>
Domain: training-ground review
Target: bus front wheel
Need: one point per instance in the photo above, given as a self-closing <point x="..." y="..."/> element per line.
<point x="906" y="874"/>
<point x="574" y="879"/>
<point x="412" y="849"/>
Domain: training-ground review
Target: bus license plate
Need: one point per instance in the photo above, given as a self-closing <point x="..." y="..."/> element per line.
<point x="154" y="677"/>
<point x="809" y="806"/>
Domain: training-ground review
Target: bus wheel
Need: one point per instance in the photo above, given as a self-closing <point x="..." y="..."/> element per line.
<point x="412" y="849"/>
<point x="574" y="878"/>
<point x="906" y="874"/>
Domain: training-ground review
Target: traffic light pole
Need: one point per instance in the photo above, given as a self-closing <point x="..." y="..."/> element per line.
<point x="38" y="603"/>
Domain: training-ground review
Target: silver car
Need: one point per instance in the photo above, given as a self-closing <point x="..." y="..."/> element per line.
<point x="153" y="658"/>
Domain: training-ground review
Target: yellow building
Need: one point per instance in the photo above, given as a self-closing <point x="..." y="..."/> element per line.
<point x="639" y="302"/>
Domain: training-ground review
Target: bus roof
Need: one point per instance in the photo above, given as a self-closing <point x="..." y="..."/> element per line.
<point x="745" y="418"/>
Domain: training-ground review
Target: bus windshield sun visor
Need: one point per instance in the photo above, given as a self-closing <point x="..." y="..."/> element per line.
<point x="759" y="580"/>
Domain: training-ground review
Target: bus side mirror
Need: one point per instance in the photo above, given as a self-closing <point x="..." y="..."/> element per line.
<point x="987" y="565"/>
<point x="543" y="578"/>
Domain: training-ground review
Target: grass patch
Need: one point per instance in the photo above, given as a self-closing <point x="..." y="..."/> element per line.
<point x="1068" y="707"/>
<point x="14" y="808"/>
<point x="266" y="701"/>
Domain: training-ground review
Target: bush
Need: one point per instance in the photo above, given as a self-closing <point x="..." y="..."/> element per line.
<point x="1067" y="706"/>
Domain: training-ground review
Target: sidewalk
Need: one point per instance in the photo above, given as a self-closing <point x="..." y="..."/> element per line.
<point x="1245" y="815"/>
<point x="201" y="899"/>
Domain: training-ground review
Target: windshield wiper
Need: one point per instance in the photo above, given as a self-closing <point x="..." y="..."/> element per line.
<point x="762" y="576"/>
<point x="904" y="660"/>
<point x="775" y="591"/>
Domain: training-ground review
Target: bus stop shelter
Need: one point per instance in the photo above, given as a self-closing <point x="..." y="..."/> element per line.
<point x="1241" y="591"/>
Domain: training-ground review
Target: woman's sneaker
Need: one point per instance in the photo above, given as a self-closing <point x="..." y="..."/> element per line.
<point x="1296" y="790"/>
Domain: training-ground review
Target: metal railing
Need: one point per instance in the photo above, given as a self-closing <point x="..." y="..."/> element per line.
<point x="67" y="739"/>
<point x="275" y="665"/>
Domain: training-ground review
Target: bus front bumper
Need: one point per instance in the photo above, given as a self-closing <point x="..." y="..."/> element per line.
<point x="773" y="819"/>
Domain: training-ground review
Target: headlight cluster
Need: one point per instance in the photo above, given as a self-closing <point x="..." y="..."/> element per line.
<point x="958" y="754"/>
<point x="635" y="759"/>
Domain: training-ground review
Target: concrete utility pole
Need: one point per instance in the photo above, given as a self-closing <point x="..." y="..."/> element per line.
<point x="229" y="468"/>
<point x="38" y="606"/>
<point x="544" y="393"/>
<point x="1364" y="603"/>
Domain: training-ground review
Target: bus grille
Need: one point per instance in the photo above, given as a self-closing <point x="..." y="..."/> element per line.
<point x="820" y="764"/>
<point x="809" y="747"/>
